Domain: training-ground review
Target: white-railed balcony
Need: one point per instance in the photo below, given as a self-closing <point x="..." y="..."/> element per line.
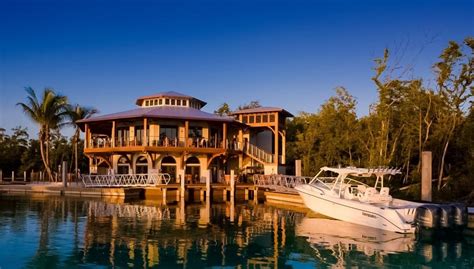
<point x="102" y="143"/>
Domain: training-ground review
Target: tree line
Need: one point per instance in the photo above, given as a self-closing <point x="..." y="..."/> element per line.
<point x="409" y="117"/>
<point x="50" y="112"/>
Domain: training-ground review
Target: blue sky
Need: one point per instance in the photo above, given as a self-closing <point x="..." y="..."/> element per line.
<point x="290" y="54"/>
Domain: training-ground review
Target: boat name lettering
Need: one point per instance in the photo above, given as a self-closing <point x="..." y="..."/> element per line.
<point x="369" y="215"/>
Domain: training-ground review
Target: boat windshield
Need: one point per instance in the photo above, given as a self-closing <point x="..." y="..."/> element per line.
<point x="337" y="179"/>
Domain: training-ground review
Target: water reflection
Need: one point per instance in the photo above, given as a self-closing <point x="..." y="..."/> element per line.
<point x="56" y="232"/>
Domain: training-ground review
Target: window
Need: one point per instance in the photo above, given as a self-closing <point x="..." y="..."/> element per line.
<point x="167" y="101"/>
<point x="251" y="119"/>
<point x="192" y="172"/>
<point x="139" y="134"/>
<point x="173" y="102"/>
<point x="123" y="165"/>
<point x="195" y="132"/>
<point x="168" y="165"/>
<point x="185" y="102"/>
<point x="272" y="118"/>
<point x="147" y="103"/>
<point x="141" y="167"/>
<point x="265" y="118"/>
<point x="258" y="119"/>
<point x="123" y="136"/>
<point x="178" y="102"/>
<point x="156" y="102"/>
<point x="171" y="132"/>
<point x="160" y="101"/>
<point x="245" y="119"/>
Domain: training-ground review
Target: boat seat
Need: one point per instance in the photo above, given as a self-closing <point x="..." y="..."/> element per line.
<point x="384" y="195"/>
<point x="348" y="193"/>
<point x="370" y="195"/>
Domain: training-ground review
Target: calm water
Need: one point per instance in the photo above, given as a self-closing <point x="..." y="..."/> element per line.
<point x="58" y="232"/>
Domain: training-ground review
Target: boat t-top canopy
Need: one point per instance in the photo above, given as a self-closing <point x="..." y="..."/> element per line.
<point x="363" y="172"/>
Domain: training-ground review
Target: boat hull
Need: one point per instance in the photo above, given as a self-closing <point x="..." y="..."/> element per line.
<point x="380" y="217"/>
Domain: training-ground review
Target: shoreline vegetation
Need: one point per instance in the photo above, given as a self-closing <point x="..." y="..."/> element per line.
<point x="409" y="117"/>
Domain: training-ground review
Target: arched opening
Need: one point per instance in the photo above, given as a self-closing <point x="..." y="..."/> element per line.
<point x="168" y="165"/>
<point x="193" y="170"/>
<point x="141" y="166"/>
<point x="123" y="166"/>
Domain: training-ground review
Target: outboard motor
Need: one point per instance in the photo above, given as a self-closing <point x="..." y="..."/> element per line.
<point x="447" y="216"/>
<point x="460" y="215"/>
<point x="428" y="216"/>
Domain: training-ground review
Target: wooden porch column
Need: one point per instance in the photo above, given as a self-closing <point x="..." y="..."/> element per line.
<point x="283" y="147"/>
<point x="186" y="133"/>
<point x="145" y="142"/>
<point x="241" y="136"/>
<point x="224" y="134"/>
<point x="276" y="139"/>
<point x="86" y="138"/>
<point x="113" y="134"/>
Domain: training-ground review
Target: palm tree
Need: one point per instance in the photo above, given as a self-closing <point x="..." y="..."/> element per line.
<point x="77" y="113"/>
<point x="49" y="113"/>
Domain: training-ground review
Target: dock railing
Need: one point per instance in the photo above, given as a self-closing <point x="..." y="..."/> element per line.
<point x="125" y="180"/>
<point x="280" y="183"/>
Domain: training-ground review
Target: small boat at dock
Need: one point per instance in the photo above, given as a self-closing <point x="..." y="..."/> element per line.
<point x="345" y="198"/>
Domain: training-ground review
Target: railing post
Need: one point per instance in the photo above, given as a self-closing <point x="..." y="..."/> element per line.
<point x="13" y="176"/>
<point x="24" y="176"/>
<point x="1" y="175"/>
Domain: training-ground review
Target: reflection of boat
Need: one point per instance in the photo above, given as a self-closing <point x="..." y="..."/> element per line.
<point x="345" y="198"/>
<point x="329" y="232"/>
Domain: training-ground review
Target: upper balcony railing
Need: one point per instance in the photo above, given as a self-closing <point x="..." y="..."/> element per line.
<point x="106" y="142"/>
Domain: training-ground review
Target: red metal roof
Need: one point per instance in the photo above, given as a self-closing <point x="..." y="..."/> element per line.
<point x="163" y="112"/>
<point x="262" y="110"/>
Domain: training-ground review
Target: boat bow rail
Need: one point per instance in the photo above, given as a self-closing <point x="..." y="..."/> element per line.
<point x="125" y="180"/>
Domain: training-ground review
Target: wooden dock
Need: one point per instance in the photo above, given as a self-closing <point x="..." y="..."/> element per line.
<point x="166" y="193"/>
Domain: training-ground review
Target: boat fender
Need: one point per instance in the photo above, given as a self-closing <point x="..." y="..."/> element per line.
<point x="427" y="216"/>
<point x="447" y="216"/>
<point x="460" y="215"/>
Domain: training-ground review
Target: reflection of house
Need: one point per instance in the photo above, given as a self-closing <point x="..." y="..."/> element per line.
<point x="169" y="133"/>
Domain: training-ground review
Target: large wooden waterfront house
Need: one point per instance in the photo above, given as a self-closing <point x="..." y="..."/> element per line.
<point x="169" y="133"/>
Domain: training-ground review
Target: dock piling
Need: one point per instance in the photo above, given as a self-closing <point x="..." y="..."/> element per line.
<point x="164" y="190"/>
<point x="298" y="168"/>
<point x="208" y="185"/>
<point x="64" y="173"/>
<point x="182" y="190"/>
<point x="426" y="176"/>
<point x="232" y="184"/>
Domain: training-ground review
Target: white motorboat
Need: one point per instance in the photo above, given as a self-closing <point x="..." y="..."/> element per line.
<point x="345" y="198"/>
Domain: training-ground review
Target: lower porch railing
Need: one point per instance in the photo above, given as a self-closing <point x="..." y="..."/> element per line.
<point x="125" y="180"/>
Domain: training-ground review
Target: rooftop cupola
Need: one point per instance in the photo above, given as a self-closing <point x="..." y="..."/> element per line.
<point x="170" y="98"/>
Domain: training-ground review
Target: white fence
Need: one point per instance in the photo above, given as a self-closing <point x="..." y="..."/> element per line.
<point x="280" y="183"/>
<point x="126" y="180"/>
